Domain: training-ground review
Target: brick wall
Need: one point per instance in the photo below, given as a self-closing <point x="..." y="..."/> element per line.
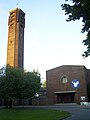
<point x="54" y="82"/>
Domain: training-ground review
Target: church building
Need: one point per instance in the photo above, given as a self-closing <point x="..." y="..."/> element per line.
<point x="67" y="84"/>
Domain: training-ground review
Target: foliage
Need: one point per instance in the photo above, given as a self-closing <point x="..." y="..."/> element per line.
<point x="32" y="83"/>
<point x="80" y="9"/>
<point x="31" y="114"/>
<point x="17" y="83"/>
<point x="2" y="71"/>
<point x="44" y="84"/>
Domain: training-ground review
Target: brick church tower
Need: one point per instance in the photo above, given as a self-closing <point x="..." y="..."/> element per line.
<point x="15" y="48"/>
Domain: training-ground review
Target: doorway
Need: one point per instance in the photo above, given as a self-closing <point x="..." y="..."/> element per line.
<point x="65" y="97"/>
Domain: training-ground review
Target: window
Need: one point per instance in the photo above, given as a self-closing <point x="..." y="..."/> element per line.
<point x="64" y="79"/>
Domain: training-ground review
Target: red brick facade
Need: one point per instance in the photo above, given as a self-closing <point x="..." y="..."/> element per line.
<point x="59" y="83"/>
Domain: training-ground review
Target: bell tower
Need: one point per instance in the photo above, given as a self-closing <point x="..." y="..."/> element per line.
<point x="15" y="47"/>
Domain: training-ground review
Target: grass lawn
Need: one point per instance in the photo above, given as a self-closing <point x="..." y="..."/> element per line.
<point x="28" y="114"/>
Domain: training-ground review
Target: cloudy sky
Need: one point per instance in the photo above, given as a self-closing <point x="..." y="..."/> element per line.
<point x="49" y="41"/>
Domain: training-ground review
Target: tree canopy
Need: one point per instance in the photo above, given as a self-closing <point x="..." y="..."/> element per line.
<point x="44" y="84"/>
<point x="17" y="83"/>
<point x="76" y="10"/>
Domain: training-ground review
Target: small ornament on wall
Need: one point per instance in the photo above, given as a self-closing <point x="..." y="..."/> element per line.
<point x="75" y="83"/>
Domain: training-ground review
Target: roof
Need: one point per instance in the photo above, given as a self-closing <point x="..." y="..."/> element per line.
<point x="60" y="92"/>
<point x="16" y="9"/>
<point x="62" y="66"/>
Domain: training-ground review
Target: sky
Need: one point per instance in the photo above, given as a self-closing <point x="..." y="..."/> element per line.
<point x="49" y="40"/>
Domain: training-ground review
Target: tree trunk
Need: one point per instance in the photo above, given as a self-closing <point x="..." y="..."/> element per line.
<point x="10" y="103"/>
<point x="6" y="102"/>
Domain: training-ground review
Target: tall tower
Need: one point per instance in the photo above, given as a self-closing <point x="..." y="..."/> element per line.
<point x="15" y="48"/>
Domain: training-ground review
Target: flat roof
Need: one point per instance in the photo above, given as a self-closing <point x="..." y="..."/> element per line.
<point x="15" y="10"/>
<point x="67" y="66"/>
<point x="64" y="92"/>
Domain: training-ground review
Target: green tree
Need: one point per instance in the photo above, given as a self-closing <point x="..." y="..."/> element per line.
<point x="32" y="84"/>
<point x="11" y="84"/>
<point x="17" y="83"/>
<point x="44" y="84"/>
<point x="76" y="10"/>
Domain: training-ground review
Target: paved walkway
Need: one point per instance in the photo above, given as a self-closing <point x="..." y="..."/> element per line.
<point x="78" y="112"/>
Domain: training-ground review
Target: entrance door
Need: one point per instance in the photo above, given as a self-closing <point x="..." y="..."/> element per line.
<point x="65" y="97"/>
